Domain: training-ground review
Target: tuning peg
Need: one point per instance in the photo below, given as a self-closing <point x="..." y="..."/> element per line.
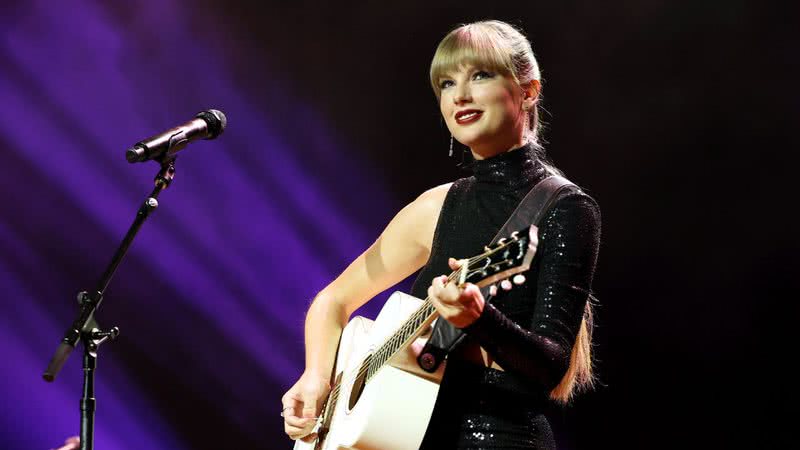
<point x="506" y="285"/>
<point x="518" y="279"/>
<point x="486" y="248"/>
<point x="493" y="290"/>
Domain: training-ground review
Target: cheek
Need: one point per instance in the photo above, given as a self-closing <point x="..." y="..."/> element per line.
<point x="507" y="108"/>
<point x="499" y="100"/>
<point x="446" y="110"/>
<point x="445" y="103"/>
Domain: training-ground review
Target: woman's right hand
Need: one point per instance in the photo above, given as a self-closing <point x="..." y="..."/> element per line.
<point x="302" y="404"/>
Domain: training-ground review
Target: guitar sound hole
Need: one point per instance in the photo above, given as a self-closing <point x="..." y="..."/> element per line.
<point x="357" y="389"/>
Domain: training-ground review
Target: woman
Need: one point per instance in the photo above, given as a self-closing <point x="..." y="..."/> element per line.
<point x="530" y="345"/>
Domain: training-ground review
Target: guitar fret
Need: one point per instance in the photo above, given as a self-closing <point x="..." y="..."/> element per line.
<point x="393" y="344"/>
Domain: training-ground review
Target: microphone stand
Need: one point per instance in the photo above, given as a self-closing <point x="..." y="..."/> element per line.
<point x="85" y="328"/>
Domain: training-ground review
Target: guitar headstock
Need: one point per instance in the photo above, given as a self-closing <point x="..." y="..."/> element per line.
<point x="509" y="256"/>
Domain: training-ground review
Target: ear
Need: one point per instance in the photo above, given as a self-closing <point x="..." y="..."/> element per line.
<point x="530" y="94"/>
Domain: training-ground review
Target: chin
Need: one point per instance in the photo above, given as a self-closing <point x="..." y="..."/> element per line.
<point x="470" y="139"/>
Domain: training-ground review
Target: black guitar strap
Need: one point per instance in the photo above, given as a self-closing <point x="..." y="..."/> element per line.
<point x="445" y="337"/>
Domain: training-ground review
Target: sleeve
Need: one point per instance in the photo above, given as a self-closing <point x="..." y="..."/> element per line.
<point x="569" y="239"/>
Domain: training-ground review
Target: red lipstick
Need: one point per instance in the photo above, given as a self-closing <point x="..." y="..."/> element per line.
<point x="468" y="116"/>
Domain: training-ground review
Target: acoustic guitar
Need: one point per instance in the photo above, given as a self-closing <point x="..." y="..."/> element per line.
<point x="380" y="398"/>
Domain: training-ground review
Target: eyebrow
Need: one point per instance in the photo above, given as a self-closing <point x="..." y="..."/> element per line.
<point x="467" y="68"/>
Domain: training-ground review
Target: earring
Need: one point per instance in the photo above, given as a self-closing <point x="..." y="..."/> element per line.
<point x="527" y="113"/>
<point x="451" y="146"/>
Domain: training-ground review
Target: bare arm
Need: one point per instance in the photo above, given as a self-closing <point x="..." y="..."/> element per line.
<point x="402" y="248"/>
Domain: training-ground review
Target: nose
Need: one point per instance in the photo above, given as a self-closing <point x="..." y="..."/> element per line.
<point x="462" y="94"/>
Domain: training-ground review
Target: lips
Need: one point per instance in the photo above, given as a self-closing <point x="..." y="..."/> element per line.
<point x="468" y="116"/>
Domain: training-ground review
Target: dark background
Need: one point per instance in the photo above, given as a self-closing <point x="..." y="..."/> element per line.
<point x="678" y="117"/>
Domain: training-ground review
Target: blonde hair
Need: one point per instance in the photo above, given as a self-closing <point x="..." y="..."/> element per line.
<point x="499" y="47"/>
<point x="580" y="374"/>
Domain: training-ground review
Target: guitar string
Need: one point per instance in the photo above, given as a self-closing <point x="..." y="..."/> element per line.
<point x="424" y="311"/>
<point x="366" y="365"/>
<point x="408" y="325"/>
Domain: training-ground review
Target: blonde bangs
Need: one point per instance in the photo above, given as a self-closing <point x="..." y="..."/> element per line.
<point x="471" y="45"/>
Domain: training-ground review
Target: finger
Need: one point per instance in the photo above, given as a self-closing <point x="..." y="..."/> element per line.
<point x="454" y="263"/>
<point x="471" y="293"/>
<point x="290" y="401"/>
<point x="434" y="292"/>
<point x="291" y="405"/>
<point x="298" y="427"/>
<point x="452" y="292"/>
<point x="310" y="400"/>
<point x="437" y="286"/>
<point x="299" y="422"/>
<point x="445" y="295"/>
<point x="435" y="296"/>
<point x="295" y="433"/>
<point x="291" y="411"/>
<point x="444" y="308"/>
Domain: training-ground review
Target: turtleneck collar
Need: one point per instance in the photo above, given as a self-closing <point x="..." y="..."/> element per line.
<point x="509" y="170"/>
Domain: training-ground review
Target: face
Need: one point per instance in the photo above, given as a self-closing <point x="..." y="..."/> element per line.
<point x="483" y="110"/>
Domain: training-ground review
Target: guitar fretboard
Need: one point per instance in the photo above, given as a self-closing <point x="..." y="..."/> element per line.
<point x="400" y="339"/>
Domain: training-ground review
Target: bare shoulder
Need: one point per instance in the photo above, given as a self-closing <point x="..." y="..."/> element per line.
<point x="426" y="209"/>
<point x="431" y="201"/>
<point x="412" y="229"/>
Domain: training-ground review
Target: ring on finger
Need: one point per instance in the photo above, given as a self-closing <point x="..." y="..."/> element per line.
<point x="284" y="410"/>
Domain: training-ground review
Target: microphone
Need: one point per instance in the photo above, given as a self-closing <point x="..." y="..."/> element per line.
<point x="205" y="125"/>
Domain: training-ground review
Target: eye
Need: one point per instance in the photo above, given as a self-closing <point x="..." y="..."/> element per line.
<point x="445" y="84"/>
<point x="481" y="74"/>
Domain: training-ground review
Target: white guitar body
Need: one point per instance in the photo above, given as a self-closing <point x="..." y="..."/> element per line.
<point x="393" y="410"/>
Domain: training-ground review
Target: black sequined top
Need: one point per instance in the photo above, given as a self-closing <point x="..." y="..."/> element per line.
<point x="531" y="329"/>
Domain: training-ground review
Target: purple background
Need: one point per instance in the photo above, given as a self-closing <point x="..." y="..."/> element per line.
<point x="676" y="116"/>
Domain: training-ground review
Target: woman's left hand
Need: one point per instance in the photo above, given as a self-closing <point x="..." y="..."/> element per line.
<point x="459" y="306"/>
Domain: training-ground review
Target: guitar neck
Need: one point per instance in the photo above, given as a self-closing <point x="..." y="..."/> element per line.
<point x="411" y="329"/>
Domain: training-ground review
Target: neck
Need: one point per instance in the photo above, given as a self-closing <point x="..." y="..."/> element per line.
<point x="480" y="152"/>
<point x="508" y="171"/>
